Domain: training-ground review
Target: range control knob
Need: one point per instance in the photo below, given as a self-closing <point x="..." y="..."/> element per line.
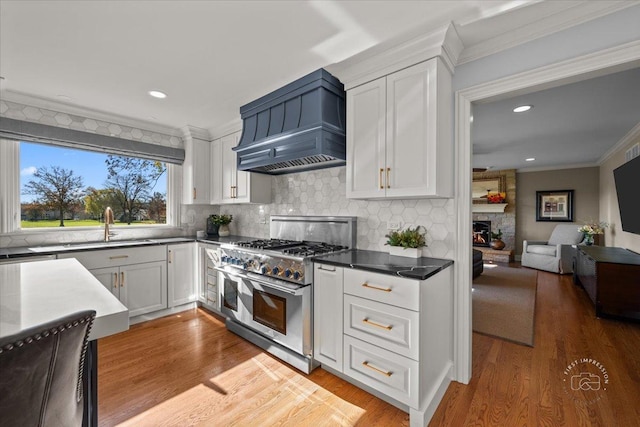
<point x="224" y="258"/>
<point x="297" y="275"/>
<point x="265" y="269"/>
<point x="287" y="272"/>
<point x="275" y="271"/>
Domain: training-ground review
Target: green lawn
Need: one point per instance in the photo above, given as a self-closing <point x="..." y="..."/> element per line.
<point x="71" y="223"/>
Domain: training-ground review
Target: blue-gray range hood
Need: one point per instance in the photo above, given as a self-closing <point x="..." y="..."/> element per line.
<point x="298" y="127"/>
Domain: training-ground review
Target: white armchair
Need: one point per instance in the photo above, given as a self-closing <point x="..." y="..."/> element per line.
<point x="556" y="254"/>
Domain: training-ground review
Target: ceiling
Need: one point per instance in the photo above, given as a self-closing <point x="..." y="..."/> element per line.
<point x="211" y="57"/>
<point x="571" y="125"/>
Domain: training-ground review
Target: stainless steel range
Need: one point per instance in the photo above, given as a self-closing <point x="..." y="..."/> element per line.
<point x="266" y="285"/>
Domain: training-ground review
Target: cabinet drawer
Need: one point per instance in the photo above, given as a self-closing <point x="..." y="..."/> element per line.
<point x="117" y="257"/>
<point x="383" y="288"/>
<point x="395" y="329"/>
<point x="387" y="372"/>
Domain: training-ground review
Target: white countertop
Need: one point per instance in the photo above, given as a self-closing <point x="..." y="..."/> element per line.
<point x="33" y="293"/>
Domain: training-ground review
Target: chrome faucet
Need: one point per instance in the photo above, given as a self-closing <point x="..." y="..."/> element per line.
<point x="108" y="219"/>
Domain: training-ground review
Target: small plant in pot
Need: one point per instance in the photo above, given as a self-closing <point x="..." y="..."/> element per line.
<point x="407" y="242"/>
<point x="496" y="241"/>
<point x="219" y="225"/>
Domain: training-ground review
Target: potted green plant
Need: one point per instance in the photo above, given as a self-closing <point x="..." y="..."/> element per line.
<point x="219" y="224"/>
<point x="496" y="241"/>
<point x="407" y="242"/>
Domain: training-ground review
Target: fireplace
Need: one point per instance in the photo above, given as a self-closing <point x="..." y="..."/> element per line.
<point x="481" y="233"/>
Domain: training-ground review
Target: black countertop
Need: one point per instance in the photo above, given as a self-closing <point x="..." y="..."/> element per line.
<point x="41" y="250"/>
<point x="382" y="262"/>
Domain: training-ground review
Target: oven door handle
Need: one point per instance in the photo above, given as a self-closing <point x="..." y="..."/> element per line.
<point x="293" y="290"/>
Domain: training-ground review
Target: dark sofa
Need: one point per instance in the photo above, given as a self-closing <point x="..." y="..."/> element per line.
<point x="478" y="267"/>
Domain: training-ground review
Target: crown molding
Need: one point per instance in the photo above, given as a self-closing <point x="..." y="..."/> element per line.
<point x="189" y="131"/>
<point x="233" y="126"/>
<point x="575" y="15"/>
<point x="632" y="135"/>
<point x="50" y="104"/>
<point x="559" y="167"/>
<point x="399" y="53"/>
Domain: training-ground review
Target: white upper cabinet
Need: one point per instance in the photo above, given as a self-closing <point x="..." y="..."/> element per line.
<point x="215" y="172"/>
<point x="399" y="141"/>
<point x="228" y="184"/>
<point x="195" y="177"/>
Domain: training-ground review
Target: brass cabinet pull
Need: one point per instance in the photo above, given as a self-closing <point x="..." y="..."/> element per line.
<point x="388" y="179"/>
<point x="377" y="288"/>
<point x="381" y="183"/>
<point x="194" y="193"/>
<point x="169" y="256"/>
<point x="119" y="257"/>
<point x="122" y="279"/>
<point x="115" y="280"/>
<point x="373" y="368"/>
<point x="377" y="325"/>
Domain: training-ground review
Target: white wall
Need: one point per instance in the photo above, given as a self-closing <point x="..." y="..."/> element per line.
<point x="614" y="236"/>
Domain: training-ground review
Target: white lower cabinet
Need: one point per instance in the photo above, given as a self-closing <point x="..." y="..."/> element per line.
<point x="327" y="315"/>
<point x="396" y="334"/>
<point x="181" y="269"/>
<point x="386" y="326"/>
<point x="137" y="276"/>
<point x="383" y="370"/>
<point x="142" y="288"/>
<point x="208" y="293"/>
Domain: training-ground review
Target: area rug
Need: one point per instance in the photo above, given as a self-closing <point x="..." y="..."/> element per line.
<point x="504" y="302"/>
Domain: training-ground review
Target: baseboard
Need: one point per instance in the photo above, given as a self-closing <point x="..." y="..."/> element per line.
<point x="422" y="417"/>
<point x="161" y="313"/>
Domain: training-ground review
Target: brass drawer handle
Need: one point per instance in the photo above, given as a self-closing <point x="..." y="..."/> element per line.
<point x="373" y="368"/>
<point x="366" y="285"/>
<point x="377" y="325"/>
<point x="119" y="257"/>
<point x="381" y="184"/>
<point x="122" y="279"/>
<point x="115" y="281"/>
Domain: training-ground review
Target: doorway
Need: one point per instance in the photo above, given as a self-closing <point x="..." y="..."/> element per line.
<point x="585" y="67"/>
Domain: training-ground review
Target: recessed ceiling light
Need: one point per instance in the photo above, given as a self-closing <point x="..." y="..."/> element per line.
<point x="522" y="108"/>
<point x="157" y="94"/>
<point x="530" y="159"/>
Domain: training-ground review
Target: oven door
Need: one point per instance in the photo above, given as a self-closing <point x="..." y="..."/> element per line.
<point x="233" y="297"/>
<point x="282" y="314"/>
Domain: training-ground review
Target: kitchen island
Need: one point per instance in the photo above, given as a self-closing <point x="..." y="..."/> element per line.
<point x="38" y="292"/>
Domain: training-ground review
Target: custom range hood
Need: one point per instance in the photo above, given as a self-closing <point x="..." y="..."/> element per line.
<point x="298" y="127"/>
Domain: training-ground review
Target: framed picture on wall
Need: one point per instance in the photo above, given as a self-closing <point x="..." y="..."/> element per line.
<point x="554" y="205"/>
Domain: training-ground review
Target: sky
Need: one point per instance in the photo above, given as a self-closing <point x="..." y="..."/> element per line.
<point x="88" y="164"/>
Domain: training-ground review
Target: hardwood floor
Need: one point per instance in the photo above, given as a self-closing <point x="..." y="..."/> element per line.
<point x="187" y="369"/>
<point x="514" y="385"/>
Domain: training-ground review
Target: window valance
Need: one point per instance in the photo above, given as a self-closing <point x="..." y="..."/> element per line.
<point x="36" y="132"/>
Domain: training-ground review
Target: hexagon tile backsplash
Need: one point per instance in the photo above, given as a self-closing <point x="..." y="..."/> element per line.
<point x="323" y="192"/>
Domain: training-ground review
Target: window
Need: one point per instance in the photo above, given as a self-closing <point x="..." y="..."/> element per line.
<point x="68" y="187"/>
<point x="49" y="186"/>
